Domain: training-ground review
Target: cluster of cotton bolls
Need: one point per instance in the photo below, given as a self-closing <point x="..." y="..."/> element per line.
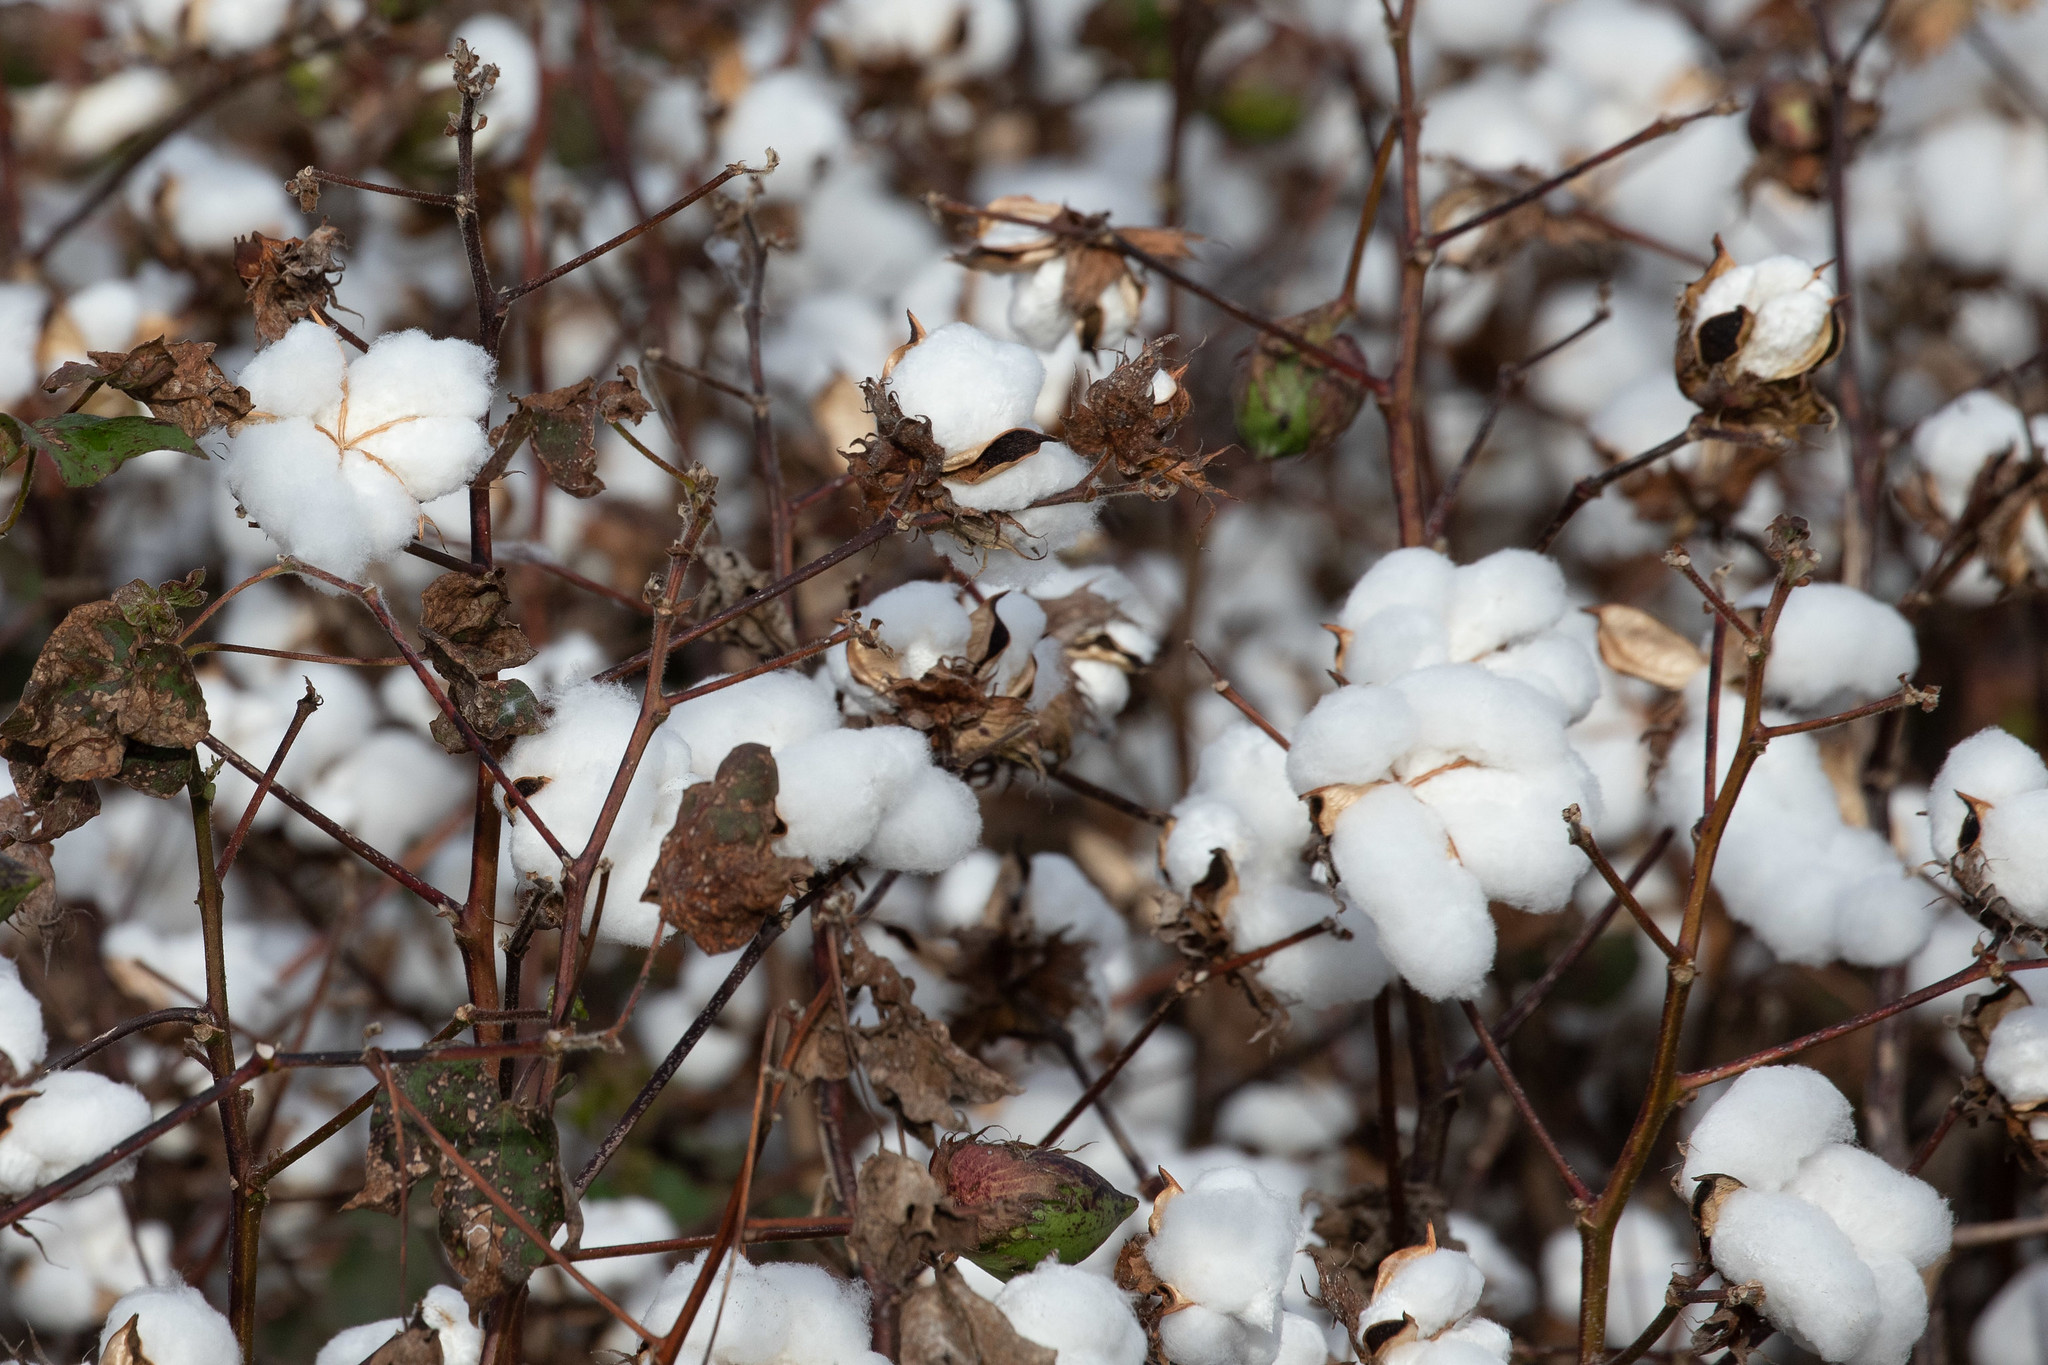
<point x="1835" y="1235"/>
<point x="1815" y="887"/>
<point x="1225" y="1247"/>
<point x="1995" y="785"/>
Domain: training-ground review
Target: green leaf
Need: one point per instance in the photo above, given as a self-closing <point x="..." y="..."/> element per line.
<point x="17" y="881"/>
<point x="85" y="449"/>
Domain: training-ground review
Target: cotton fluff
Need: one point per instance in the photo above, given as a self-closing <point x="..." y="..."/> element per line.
<point x="1772" y="1119"/>
<point x="1510" y="1288"/>
<point x="69" y="1118"/>
<point x="443" y="1310"/>
<point x="1079" y="1314"/>
<point x="971" y="386"/>
<point x="1292" y="1118"/>
<point x="1789" y="306"/>
<point x="1225" y="1244"/>
<point x="923" y="622"/>
<point x="776" y="709"/>
<point x="22" y="1039"/>
<point x="791" y="112"/>
<point x="1835" y="648"/>
<point x="1954" y="443"/>
<point x="577" y="755"/>
<point x="339" y="455"/>
<point x="2017" y="1059"/>
<point x="874" y="793"/>
<point x="1321" y="971"/>
<point x="777" y="1313"/>
<point x="85" y="1254"/>
<point x="618" y="1222"/>
<point x="1991" y="765"/>
<point x="1883" y="1211"/>
<point x="1816" y="1288"/>
<point x="21" y="323"/>
<point x="1436" y="1289"/>
<point x="1395" y="861"/>
<point x="176" y="1324"/>
<point x="1240" y="802"/>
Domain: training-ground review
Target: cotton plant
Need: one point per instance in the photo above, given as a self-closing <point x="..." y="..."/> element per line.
<point x="1075" y="1312"/>
<point x="168" y="1324"/>
<point x="1835" y="1236"/>
<point x="1648" y="1248"/>
<point x="1224" y="1248"/>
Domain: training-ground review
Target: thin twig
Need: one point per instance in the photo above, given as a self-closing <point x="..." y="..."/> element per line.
<point x="1583" y="839"/>
<point x="758" y="1230"/>
<point x="1121" y="804"/>
<point x="307" y="704"/>
<point x="1941" y="1131"/>
<point x="179" y="1015"/>
<point x="1590" y="487"/>
<point x="2006" y="1230"/>
<point x="1581" y="1195"/>
<point x="519" y="291"/>
<point x="1224" y="689"/>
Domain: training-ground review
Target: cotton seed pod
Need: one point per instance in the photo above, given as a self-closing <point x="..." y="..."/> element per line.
<point x="1028" y="1203"/>
<point x="1287" y="403"/>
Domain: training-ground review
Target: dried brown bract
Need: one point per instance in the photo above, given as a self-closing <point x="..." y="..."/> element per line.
<point x="1091" y="268"/>
<point x="904" y="1220"/>
<point x="1635" y="643"/>
<point x="1128" y="418"/>
<point x="177" y="381"/>
<point x="289" y="279"/>
<point x="1981" y="1017"/>
<point x="718" y="875"/>
<point x="466" y="622"/>
<point x="562" y="424"/>
<point x="899" y="471"/>
<point x="957" y="702"/>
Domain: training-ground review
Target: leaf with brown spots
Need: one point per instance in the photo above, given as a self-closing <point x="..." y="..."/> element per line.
<point x="177" y="381"/>
<point x="562" y="424"/>
<point x="718" y="875"/>
<point x="289" y="279"/>
<point x="946" y="1323"/>
<point x="466" y="622"/>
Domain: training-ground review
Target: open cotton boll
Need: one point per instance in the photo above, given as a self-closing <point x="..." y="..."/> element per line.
<point x="1202" y="827"/>
<point x="1836" y="647"/>
<point x="2014" y="843"/>
<point x="1352" y="735"/>
<point x="1321" y="971"/>
<point x="109" y="111"/>
<point x="781" y="1313"/>
<point x="176" y="1324"/>
<point x="1243" y="766"/>
<point x="1990" y="765"/>
<point x="266" y="964"/>
<point x="1953" y="444"/>
<point x="1052" y="468"/>
<point x="354" y="1345"/>
<point x="1226" y="1242"/>
<point x="1554" y="664"/>
<point x="2017" y="1060"/>
<point x="444" y="1310"/>
<point x="795" y="113"/>
<point x="1507" y="596"/>
<point x="1883" y="1211"/>
<point x="923" y="622"/>
<point x="2013" y="1328"/>
<point x="932" y="822"/>
<point x="1392" y="854"/>
<point x="1079" y="1314"/>
<point x="1465" y="711"/>
<point x="971" y="386"/>
<point x="69" y="1118"/>
<point x="1199" y="1335"/>
<point x="1815" y="1285"/>
<point x="389" y="790"/>
<point x="1436" y="1289"/>
<point x="776" y="709"/>
<point x="838" y="786"/>
<point x="1509" y="832"/>
<point x="85" y="1253"/>
<point x="22" y="1039"/>
<point x="209" y="196"/>
<point x="1884" y="918"/>
<point x="1412" y="577"/>
<point x="618" y="1222"/>
<point x="1901" y="1313"/>
<point x="1301" y="1342"/>
<point x="1771" y="1119"/>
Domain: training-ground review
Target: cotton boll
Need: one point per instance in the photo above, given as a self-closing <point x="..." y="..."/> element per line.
<point x="619" y="1222"/>
<point x="1352" y="735"/>
<point x="1226" y="1242"/>
<point x="1960" y="175"/>
<point x="1412" y="577"/>
<point x="1510" y="1288"/>
<point x="1052" y="468"/>
<point x="1465" y="711"/>
<point x="1507" y="596"/>
<point x="109" y="111"/>
<point x="1815" y="1286"/>
<point x="1318" y="972"/>
<point x="70" y="1118"/>
<point x="2013" y="1328"/>
<point x="923" y="622"/>
<point x="1554" y="664"/>
<point x="1954" y="443"/>
<point x="22" y="1039"/>
<point x="1990" y="765"/>
<point x="1301" y="1342"/>
<point x="21" y="322"/>
<point x="1199" y="1335"/>
<point x="1243" y="766"/>
<point x="1884" y="918"/>
<point x="1884" y="1211"/>
<point x="1202" y="827"/>
<point x="298" y="375"/>
<point x="1902" y="1313"/>
<point x="931" y="824"/>
<point x="176" y="1324"/>
<point x="1436" y="1289"/>
<point x="1509" y="832"/>
<point x="389" y="790"/>
<point x="1397" y="640"/>
<point x="776" y="709"/>
<point x="837" y="786"/>
<point x="1474" y="1341"/>
<point x="1770" y="1121"/>
<point x="2016" y="853"/>
<point x="209" y="197"/>
<point x="1079" y="1314"/>
<point x="85" y="1253"/>
<point x="828" y="1316"/>
<point x="2017" y="1060"/>
<point x="354" y="1345"/>
<point x="796" y="114"/>
<point x="971" y="386"/>
<point x="1836" y="647"/>
<point x="1391" y="852"/>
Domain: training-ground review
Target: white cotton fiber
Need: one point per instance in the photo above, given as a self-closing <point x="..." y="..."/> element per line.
<point x="1884" y="918"/>
<point x="1554" y="664"/>
<point x="1990" y="765"/>
<point x="1952" y="445"/>
<point x="1815" y="1285"/>
<point x="1882" y="1210"/>
<point x="1398" y="639"/>
<point x="838" y="786"/>
<point x="972" y="386"/>
<point x="445" y="1310"/>
<point x="1771" y="1119"/>
<point x="1435" y="1289"/>
<point x="793" y="112"/>
<point x="1320" y="971"/>
<point x="2017" y="1060"/>
<point x="2014" y="843"/>
<point x="1412" y="577"/>
<point x="1507" y="596"/>
<point x="780" y="1313"/>
<point x="22" y="1039"/>
<point x="1294" y="1118"/>
<point x="1901" y="1313"/>
<point x="176" y="1324"/>
<point x="21" y="323"/>
<point x="2013" y="1328"/>
<point x="1226" y="1242"/>
<point x="1052" y="468"/>
<point x="1244" y="767"/>
<point x="1078" y="1313"/>
<point x="354" y="1345"/>
<point x="1465" y="711"/>
<point x="1510" y="1288"/>
<point x="619" y="1222"/>
<point x="1199" y="1335"/>
<point x="932" y="822"/>
<point x="1301" y="1342"/>
<point x="1508" y="829"/>
<point x="1835" y="648"/>
<point x="1646" y="1250"/>
<point x="923" y="622"/>
<point x="1392" y="854"/>
<point x="70" y="1118"/>
<point x="1202" y="826"/>
<point x="1352" y="735"/>
<point x="776" y="709"/>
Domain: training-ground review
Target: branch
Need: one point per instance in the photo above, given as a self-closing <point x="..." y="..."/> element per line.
<point x="1122" y="804"/>
<point x="1230" y="694"/>
<point x="1926" y="698"/>
<point x="307" y="704"/>
<point x="1582" y="838"/>
<point x="507" y="296"/>
<point x="780" y="661"/>
<point x="758" y="1230"/>
<point x="1590" y="487"/>
<point x="1581" y="1195"/>
<point x="179" y="1015"/>
<point x="1678" y="559"/>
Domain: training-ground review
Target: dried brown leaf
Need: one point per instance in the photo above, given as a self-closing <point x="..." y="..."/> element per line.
<point x="289" y="279"/>
<point x="562" y="424"/>
<point x="467" y="624"/>
<point x="903" y="1220"/>
<point x="1635" y="643"/>
<point x="765" y="632"/>
<point x="718" y="875"/>
<point x="178" y="381"/>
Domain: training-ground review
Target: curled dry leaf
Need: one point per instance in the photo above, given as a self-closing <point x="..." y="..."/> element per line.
<point x="28" y="884"/>
<point x="730" y="577"/>
<point x="903" y="1219"/>
<point x="177" y="381"/>
<point x="466" y="622"/>
<point x="289" y="279"/>
<point x="718" y="875"/>
<point x="562" y="424"/>
<point x="1635" y="643"/>
<point x="947" y="1323"/>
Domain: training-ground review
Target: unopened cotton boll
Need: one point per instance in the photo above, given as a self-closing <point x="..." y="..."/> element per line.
<point x="1772" y="1119"/>
<point x="1079" y="1314"/>
<point x="69" y="1118"/>
<point x="2017" y="1059"/>
<point x="1815" y="1285"/>
<point x="1990" y="765"/>
<point x="176" y="1324"/>
<point x="971" y="386"/>
<point x="1883" y="1211"/>
<point x="1436" y="1289"/>
<point x="1352" y="735"/>
<point x="22" y="1039"/>
<point x="1394" y="859"/>
<point x="1836" y="647"/>
<point x="2014" y="843"/>
<point x="1226" y="1242"/>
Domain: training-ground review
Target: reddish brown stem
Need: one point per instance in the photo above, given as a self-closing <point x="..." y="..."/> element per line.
<point x="300" y="713"/>
<point x="1581" y="1195"/>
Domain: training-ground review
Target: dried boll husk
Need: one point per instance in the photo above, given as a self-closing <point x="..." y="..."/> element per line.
<point x="1288" y="403"/>
<point x="1028" y="1203"/>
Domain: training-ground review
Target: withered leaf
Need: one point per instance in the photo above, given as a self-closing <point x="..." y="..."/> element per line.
<point x="1635" y="643"/>
<point x="718" y="875"/>
<point x="946" y="1323"/>
<point x="288" y="279"/>
<point x="466" y="622"/>
<point x="178" y="381"/>
<point x="28" y="884"/>
<point x="562" y="424"/>
<point x="903" y="1219"/>
<point x="730" y="577"/>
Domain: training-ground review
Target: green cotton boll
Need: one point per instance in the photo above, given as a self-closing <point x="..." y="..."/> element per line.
<point x="1028" y="1204"/>
<point x="1287" y="404"/>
